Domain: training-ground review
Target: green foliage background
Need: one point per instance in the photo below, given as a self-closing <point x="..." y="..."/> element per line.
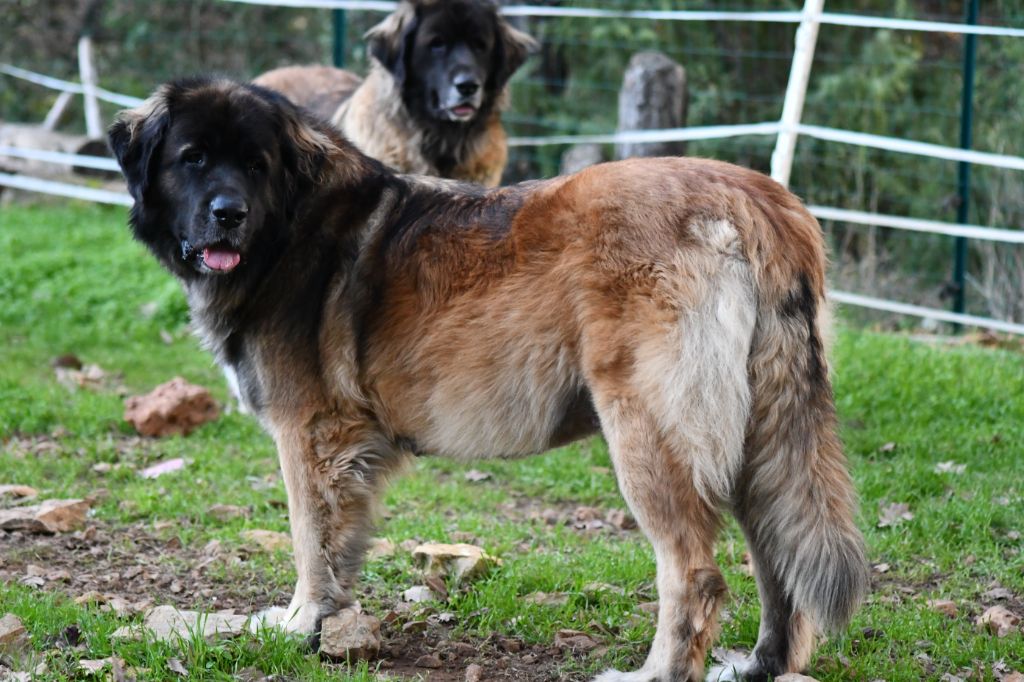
<point x="902" y="84"/>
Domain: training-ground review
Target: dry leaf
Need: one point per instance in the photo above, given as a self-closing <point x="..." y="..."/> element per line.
<point x="950" y="467"/>
<point x="943" y="606"/>
<point x="175" y="666"/>
<point x="997" y="594"/>
<point x="894" y="514"/>
<point x="998" y="621"/>
<point x="475" y="476"/>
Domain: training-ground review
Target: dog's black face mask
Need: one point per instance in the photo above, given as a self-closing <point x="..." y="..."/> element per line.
<point x="450" y="63"/>
<point x="212" y="170"/>
<point x="450" y="58"/>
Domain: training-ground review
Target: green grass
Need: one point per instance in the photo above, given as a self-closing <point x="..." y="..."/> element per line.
<point x="72" y="281"/>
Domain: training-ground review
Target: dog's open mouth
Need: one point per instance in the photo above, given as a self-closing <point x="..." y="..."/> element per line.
<point x="221" y="258"/>
<point x="462" y="112"/>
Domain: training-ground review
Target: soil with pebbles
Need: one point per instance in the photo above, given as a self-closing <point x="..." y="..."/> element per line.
<point x="129" y="569"/>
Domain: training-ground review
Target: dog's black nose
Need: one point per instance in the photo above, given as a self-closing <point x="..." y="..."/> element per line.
<point x="467" y="87"/>
<point x="228" y="210"/>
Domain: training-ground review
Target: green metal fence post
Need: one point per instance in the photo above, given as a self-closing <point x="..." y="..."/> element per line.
<point x="964" y="169"/>
<point x="338" y="16"/>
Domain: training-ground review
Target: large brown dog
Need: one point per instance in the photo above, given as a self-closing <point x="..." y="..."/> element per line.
<point x="675" y="304"/>
<point x="432" y="101"/>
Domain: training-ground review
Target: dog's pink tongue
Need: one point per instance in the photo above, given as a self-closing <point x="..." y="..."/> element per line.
<point x="221" y="259"/>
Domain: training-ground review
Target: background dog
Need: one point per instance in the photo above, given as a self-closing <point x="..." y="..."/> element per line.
<point x="432" y="101"/>
<point x="676" y="304"/>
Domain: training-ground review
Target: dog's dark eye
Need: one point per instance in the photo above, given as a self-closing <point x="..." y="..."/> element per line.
<point x="436" y="44"/>
<point x="194" y="157"/>
<point x="255" y="167"/>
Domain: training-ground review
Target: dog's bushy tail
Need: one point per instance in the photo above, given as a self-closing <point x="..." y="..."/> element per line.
<point x="795" y="492"/>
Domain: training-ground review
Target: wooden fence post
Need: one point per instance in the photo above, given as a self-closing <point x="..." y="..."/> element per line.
<point x="653" y="97"/>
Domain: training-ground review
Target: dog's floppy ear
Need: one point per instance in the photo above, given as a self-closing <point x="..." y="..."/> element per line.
<point x="390" y="41"/>
<point x="510" y="51"/>
<point x="135" y="136"/>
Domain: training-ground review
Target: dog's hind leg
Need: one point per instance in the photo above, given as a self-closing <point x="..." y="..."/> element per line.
<point x="672" y="392"/>
<point x="658" y="486"/>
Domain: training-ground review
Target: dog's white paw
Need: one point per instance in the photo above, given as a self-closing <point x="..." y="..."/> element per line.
<point x="301" y="619"/>
<point x="733" y="668"/>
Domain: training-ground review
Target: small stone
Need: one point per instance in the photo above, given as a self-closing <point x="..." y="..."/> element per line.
<point x="380" y="548"/>
<point x="13" y="635"/>
<point x="997" y="594"/>
<point x="597" y="589"/>
<point x="175" y="407"/>
<point x="18" y="492"/>
<point x="414" y="626"/>
<point x="475" y="476"/>
<point x="461" y="649"/>
<point x="648" y="606"/>
<point x="93" y="666"/>
<point x="417" y="594"/>
<point x="460" y="561"/>
<point x="621" y="519"/>
<point x="943" y="606"/>
<point x="168" y="624"/>
<point x="574" y="640"/>
<point x="50" y="516"/>
<point x="428" y="661"/>
<point x="350" y="635"/>
<point x="474" y="673"/>
<point x="547" y="598"/>
<point x="228" y="512"/>
<point x="269" y="540"/>
<point x="512" y="646"/>
<point x="998" y="621"/>
<point x="90" y="597"/>
<point x="120" y="606"/>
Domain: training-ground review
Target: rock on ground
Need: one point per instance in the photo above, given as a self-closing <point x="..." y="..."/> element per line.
<point x="270" y="540"/>
<point x="13" y="634"/>
<point x="380" y="548"/>
<point x="175" y="407"/>
<point x="460" y="561"/>
<point x="943" y="606"/>
<point x="50" y="516"/>
<point x="574" y="640"/>
<point x="168" y="624"/>
<point x="18" y="492"/>
<point x="350" y="635"/>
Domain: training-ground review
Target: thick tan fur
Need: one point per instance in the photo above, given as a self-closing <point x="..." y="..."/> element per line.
<point x="321" y="89"/>
<point x="372" y="115"/>
<point x="676" y="304"/>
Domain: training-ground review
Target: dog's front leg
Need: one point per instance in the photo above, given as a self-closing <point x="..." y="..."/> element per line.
<point x="334" y="469"/>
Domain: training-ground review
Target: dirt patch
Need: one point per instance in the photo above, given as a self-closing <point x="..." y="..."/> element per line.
<point x="137" y="565"/>
<point x="126" y="570"/>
